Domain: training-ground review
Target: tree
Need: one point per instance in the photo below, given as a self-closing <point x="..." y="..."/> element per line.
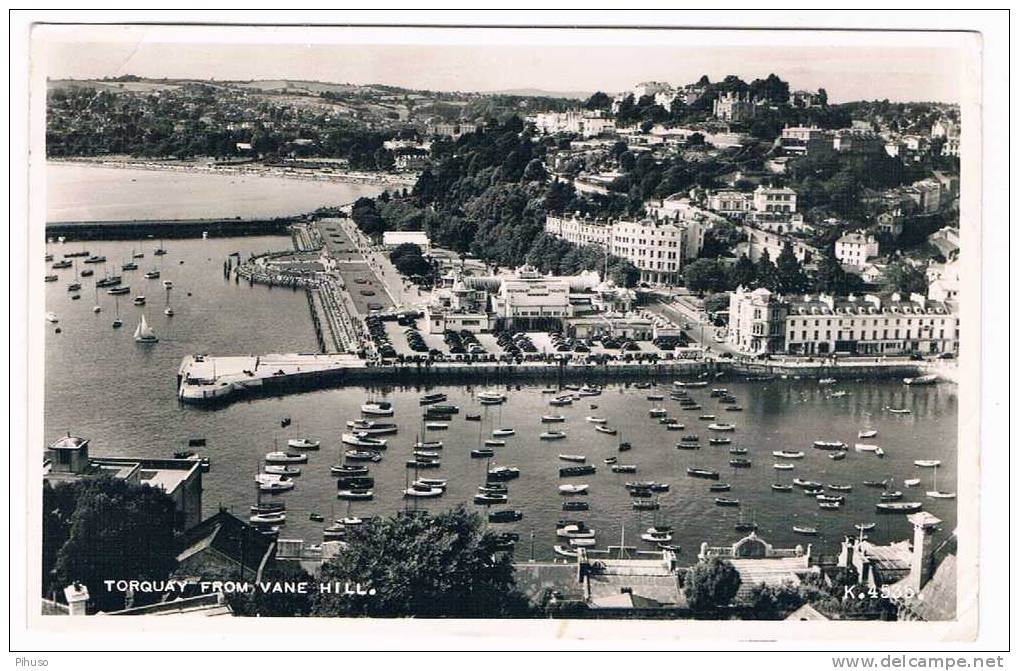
<point x="267" y="602"/>
<point x="118" y="530"/>
<point x="409" y="260"/>
<point x="767" y="273"/>
<point x="716" y="302"/>
<point x="791" y="278"/>
<point x="742" y="273"/>
<point x="366" y="216"/>
<point x="421" y="565"/>
<point x="710" y="585"/>
<point x="905" y="278"/>
<point x="704" y="275"/>
<point x="767" y="602"/>
<point x="535" y="171"/>
<point x="830" y="278"/>
<point x="598" y="101"/>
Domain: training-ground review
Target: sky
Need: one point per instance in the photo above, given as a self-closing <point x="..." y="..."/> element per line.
<point x="850" y="66"/>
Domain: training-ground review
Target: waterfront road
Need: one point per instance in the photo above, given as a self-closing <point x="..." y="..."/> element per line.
<point x="698" y="327"/>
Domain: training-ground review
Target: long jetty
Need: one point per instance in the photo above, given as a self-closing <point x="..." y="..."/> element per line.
<point x="212" y="380"/>
<point x="134" y="229"/>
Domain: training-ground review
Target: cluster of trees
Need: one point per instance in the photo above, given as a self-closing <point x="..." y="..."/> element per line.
<point x="192" y="121"/>
<point x="711" y="589"/>
<point x="421" y="565"/>
<point x="488" y="194"/>
<point x="102" y="528"/>
<point x="410" y="261"/>
<point x="784" y="275"/>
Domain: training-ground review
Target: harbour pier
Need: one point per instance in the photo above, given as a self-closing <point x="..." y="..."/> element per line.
<point x="209" y="380"/>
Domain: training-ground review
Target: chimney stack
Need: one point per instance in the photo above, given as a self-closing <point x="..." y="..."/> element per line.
<point x="921" y="567"/>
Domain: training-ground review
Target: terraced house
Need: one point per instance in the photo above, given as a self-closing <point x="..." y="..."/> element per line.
<point x="761" y="322"/>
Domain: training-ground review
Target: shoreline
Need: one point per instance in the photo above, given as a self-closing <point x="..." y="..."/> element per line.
<point x="253" y="169"/>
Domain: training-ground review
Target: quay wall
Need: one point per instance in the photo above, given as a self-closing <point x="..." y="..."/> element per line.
<point x="438" y="375"/>
<point x="166" y="228"/>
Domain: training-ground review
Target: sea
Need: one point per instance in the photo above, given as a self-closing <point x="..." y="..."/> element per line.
<point x="101" y="385"/>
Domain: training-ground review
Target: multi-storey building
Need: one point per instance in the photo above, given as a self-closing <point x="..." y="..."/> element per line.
<point x="801" y="140"/>
<point x="730" y="203"/>
<point x="855" y="248"/>
<point x="761" y="322"/>
<point x="774" y="199"/>
<point x="657" y="247"/>
<point x="760" y="241"/>
<point x="585" y="123"/>
<point x="733" y="106"/>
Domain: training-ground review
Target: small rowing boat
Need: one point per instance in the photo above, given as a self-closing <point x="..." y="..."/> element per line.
<point x="576" y="458"/>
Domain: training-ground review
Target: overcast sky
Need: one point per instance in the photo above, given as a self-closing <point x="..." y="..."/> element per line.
<point x="845" y="64"/>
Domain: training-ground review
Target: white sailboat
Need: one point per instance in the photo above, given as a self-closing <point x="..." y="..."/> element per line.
<point x="938" y="494"/>
<point x="117" y="322"/>
<point x="144" y="333"/>
<point x="169" y="310"/>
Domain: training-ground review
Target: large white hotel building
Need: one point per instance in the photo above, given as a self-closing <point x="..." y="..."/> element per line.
<point x="658" y="248"/>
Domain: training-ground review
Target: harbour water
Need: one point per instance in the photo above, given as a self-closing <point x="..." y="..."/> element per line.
<point x="89" y="192"/>
<point x="102" y="385"/>
<point x="121" y="395"/>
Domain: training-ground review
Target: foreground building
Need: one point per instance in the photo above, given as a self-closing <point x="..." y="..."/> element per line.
<point x="67" y="460"/>
<point x="761" y="322"/>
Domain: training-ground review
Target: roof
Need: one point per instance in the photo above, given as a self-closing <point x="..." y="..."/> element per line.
<point x="533" y="578"/>
<point x="229" y="536"/>
<point x="399" y="237"/>
<point x="641" y="591"/>
<point x="937" y="599"/>
<point x="856" y="239"/>
<point x="808" y="613"/>
<point x="773" y="571"/>
<point x="68" y="442"/>
<point x="890" y="563"/>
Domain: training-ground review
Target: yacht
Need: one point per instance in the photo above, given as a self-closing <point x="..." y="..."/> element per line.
<point x="139" y="300"/>
<point x="722" y="427"/>
<point x="152" y="275"/>
<point x="601" y="428"/>
<point x="144" y="333"/>
<point x="303" y="444"/>
<point x="551" y="435"/>
<point x="551" y="419"/>
<point x="502" y="432"/>
<point x="428" y="399"/>
<point x="787" y="454"/>
<point x="491" y="398"/>
<point x="867" y="433"/>
<point x="573" y="489"/>
<point x="927" y="463"/>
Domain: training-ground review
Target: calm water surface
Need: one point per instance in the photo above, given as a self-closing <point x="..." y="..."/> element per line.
<point x="121" y="395"/>
<point x="82" y="192"/>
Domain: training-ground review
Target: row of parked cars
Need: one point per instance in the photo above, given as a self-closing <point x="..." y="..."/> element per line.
<point x="377" y="332"/>
<point x="514" y="344"/>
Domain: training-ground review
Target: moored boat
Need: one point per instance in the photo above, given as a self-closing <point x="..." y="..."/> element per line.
<point x="574" y="471"/>
<point x="720" y="487"/>
<point x="576" y="505"/>
<point x="494" y="442"/>
<point x="787" y="454"/>
<point x="482" y="453"/>
<point x="867" y="433"/>
<point x="927" y="463"/>
<point x="282" y="469"/>
<point x="503" y="516"/>
<point x="602" y="428"/>
<point x="726" y="502"/>
<point x="783" y="466"/>
<point x="432" y="398"/>
<point x="362" y="440"/>
<point x="829" y="445"/>
<point x="348" y="470"/>
<point x="776" y="487"/>
<point x="551" y="419"/>
<point x="740" y="463"/>
<point x="899" y="507"/>
<point x="503" y="432"/>
<point x="702" y="473"/>
<point x="806" y="531"/>
<point x="719" y="426"/>
<point x="911" y="381"/>
<point x="573" y="489"/>
<point x="551" y="435"/>
<point x="378" y="409"/>
<point x="577" y="458"/>
<point x="303" y="444"/>
<point x="624" y="468"/>
<point x="491" y="398"/>
<point x="372" y="428"/>
<point x="280" y="457"/>
<point x="362" y="455"/>
<point x="355" y="494"/>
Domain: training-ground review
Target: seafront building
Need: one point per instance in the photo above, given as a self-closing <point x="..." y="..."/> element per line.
<point x="762" y="322"/>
